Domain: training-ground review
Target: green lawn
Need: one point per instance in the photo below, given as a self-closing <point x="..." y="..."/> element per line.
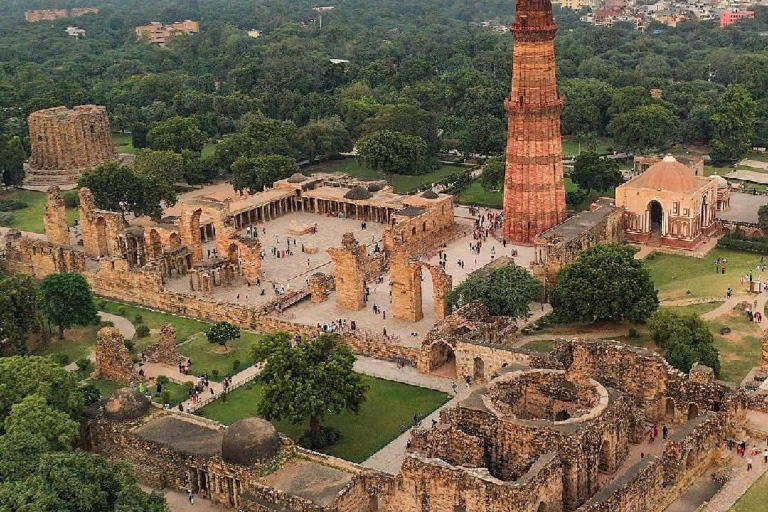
<point x="124" y="144"/>
<point x="699" y="309"/>
<point x="571" y="146"/>
<point x="540" y="346"/>
<point x="476" y="195"/>
<point x="207" y="357"/>
<point x="185" y="327"/>
<point x="740" y="349"/>
<point x="754" y="500"/>
<point x="107" y="387"/>
<point x="387" y="413"/>
<point x="31" y="217"/>
<point x="674" y="275"/>
<point x="402" y="183"/>
<point x="77" y="343"/>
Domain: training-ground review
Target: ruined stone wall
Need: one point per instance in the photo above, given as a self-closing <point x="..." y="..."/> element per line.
<point x="552" y="253"/>
<point x="419" y="234"/>
<point x="220" y="217"/>
<point x="101" y="229"/>
<point x="55" y="218"/>
<point x="431" y="484"/>
<point x="164" y="350"/>
<point x="406" y="286"/>
<point x="350" y="279"/>
<point x="66" y="142"/>
<point x="639" y="489"/>
<point x="39" y="258"/>
<point x="113" y="360"/>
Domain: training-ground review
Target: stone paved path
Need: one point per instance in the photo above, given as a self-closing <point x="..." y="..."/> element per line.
<point x="152" y="370"/>
<point x="178" y="502"/>
<point x="390" y="458"/>
<point x="734" y="301"/>
<point x="741" y="479"/>
<point x="125" y="326"/>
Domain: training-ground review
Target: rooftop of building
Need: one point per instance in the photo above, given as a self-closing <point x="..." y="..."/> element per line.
<point x="310" y="480"/>
<point x="668" y="175"/>
<point x="180" y="435"/>
<point x="580" y="223"/>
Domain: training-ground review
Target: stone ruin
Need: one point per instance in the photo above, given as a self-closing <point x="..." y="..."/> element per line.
<point x="350" y="279"/>
<point x="164" y="350"/>
<point x="65" y="142"/>
<point x="113" y="359"/>
<point x="55" y="218"/>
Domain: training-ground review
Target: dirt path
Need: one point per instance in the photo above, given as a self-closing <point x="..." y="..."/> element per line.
<point x="122" y="324"/>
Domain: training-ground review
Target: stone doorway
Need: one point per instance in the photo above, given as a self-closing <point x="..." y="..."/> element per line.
<point x="669" y="409"/>
<point x="101" y="236"/>
<point x="704" y="212"/>
<point x="478" y="372"/>
<point x="693" y="411"/>
<point x="443" y="360"/>
<point x="656" y="216"/>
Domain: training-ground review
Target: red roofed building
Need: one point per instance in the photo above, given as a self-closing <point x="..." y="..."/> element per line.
<point x="731" y="17"/>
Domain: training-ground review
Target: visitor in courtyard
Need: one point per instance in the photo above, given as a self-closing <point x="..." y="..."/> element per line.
<point x="765" y="456"/>
<point x="749" y="464"/>
<point x="664" y="432"/>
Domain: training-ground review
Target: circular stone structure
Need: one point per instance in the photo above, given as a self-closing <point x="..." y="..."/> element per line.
<point x="126" y="404"/>
<point x="65" y="142"/>
<point x="545" y="395"/>
<point x="250" y="441"/>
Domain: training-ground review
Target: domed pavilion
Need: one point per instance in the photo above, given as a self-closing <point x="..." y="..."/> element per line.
<point x="668" y="205"/>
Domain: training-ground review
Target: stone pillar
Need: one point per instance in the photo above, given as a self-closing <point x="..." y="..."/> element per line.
<point x="442" y="284"/>
<point x="319" y="287"/>
<point x="350" y="281"/>
<point x="55" y="218"/>
<point x="406" y="287"/>
<point x="87" y="227"/>
<point x="113" y="360"/>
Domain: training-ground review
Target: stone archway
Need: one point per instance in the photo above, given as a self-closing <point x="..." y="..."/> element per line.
<point x="604" y="458"/>
<point x="693" y="411"/>
<point x="101" y="236"/>
<point x="669" y="409"/>
<point x="174" y="240"/>
<point x="655" y="216"/>
<point x="233" y="254"/>
<point x="690" y="460"/>
<point x="443" y="359"/>
<point x="542" y="507"/>
<point x="704" y="211"/>
<point x="478" y="369"/>
<point x="155" y="244"/>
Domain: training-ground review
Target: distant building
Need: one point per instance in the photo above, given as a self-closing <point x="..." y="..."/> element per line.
<point x="157" y="33"/>
<point x="75" y="32"/>
<point x="254" y="34"/>
<point x="731" y="17"/>
<point x="55" y="14"/>
<point x="577" y="5"/>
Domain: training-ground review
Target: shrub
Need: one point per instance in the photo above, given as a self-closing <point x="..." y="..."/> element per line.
<point x="215" y="374"/>
<point x="236" y="365"/>
<point x="122" y="311"/>
<point x="162" y="379"/>
<point x="142" y="331"/>
<point x="102" y="304"/>
<point x="633" y="333"/>
<point x="71" y="199"/>
<point x="138" y="319"/>
<point x="60" y="359"/>
<point x="189" y="385"/>
<point x="91" y="394"/>
<point x="129" y="345"/>
<point x="166" y="397"/>
<point x="6" y="218"/>
<point x="83" y="364"/>
<point x="737" y="240"/>
<point x="327" y="436"/>
<point x="8" y="205"/>
<point x="106" y="323"/>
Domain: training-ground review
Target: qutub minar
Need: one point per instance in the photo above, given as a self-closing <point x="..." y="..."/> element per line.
<point x="534" y="189"/>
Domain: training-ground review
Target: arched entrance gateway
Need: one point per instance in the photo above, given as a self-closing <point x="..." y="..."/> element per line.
<point x="443" y="360"/>
<point x="656" y="216"/>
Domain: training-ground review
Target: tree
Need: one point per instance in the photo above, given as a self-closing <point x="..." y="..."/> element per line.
<point x="733" y="125"/>
<point x="648" y="127"/>
<point x="409" y="120"/>
<point x="605" y="282"/>
<point x="118" y="188"/>
<point x="762" y="218"/>
<point x="394" y="152"/>
<point x="255" y="173"/>
<point x="505" y="291"/>
<point x="18" y="311"/>
<point x="686" y="340"/>
<point x="11" y="161"/>
<point x="307" y="380"/>
<point x="33" y="416"/>
<point x="222" y="332"/>
<point x="492" y="178"/>
<point x="325" y="138"/>
<point x="590" y="171"/>
<point x="66" y="300"/>
<point x="484" y="135"/>
<point x="165" y="165"/>
<point x="176" y="134"/>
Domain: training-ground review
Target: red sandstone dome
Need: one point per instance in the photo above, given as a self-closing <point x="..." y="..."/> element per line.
<point x="669" y="175"/>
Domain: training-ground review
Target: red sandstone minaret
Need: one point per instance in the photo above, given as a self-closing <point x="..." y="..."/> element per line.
<point x="534" y="191"/>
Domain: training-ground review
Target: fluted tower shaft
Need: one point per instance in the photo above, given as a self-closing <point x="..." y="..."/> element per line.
<point x="534" y="188"/>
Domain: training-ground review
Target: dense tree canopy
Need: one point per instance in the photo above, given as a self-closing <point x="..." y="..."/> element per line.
<point x="307" y="380"/>
<point x="733" y="125"/>
<point x="686" y="340"/>
<point x="505" y="291"/>
<point x="394" y="152"/>
<point x="66" y="300"/>
<point x="255" y="173"/>
<point x="592" y="172"/>
<point x="18" y="312"/>
<point x="605" y="282"/>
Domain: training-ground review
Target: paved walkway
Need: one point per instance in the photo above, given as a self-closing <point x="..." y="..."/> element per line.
<point x="390" y="458"/>
<point x="125" y="326"/>
<point x="741" y="479"/>
<point x="734" y="301"/>
<point x="153" y="370"/>
<point x="178" y="502"/>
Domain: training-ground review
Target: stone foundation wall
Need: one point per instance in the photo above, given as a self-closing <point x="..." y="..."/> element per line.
<point x="39" y="258"/>
<point x="419" y="234"/>
<point x="113" y="360"/>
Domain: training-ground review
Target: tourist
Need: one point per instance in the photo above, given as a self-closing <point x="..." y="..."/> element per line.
<point x="454" y="387"/>
<point x="655" y="430"/>
<point x="642" y="455"/>
<point x="765" y="455"/>
<point x="408" y="444"/>
<point x="190" y="497"/>
<point x="181" y="407"/>
<point x="664" y="432"/>
<point x="385" y="332"/>
<point x="384" y="315"/>
<point x="749" y="464"/>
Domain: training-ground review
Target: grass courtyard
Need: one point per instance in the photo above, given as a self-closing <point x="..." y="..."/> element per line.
<point x="387" y="413"/>
<point x="31" y="217"/>
<point x="401" y="182"/>
<point x="756" y="497"/>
